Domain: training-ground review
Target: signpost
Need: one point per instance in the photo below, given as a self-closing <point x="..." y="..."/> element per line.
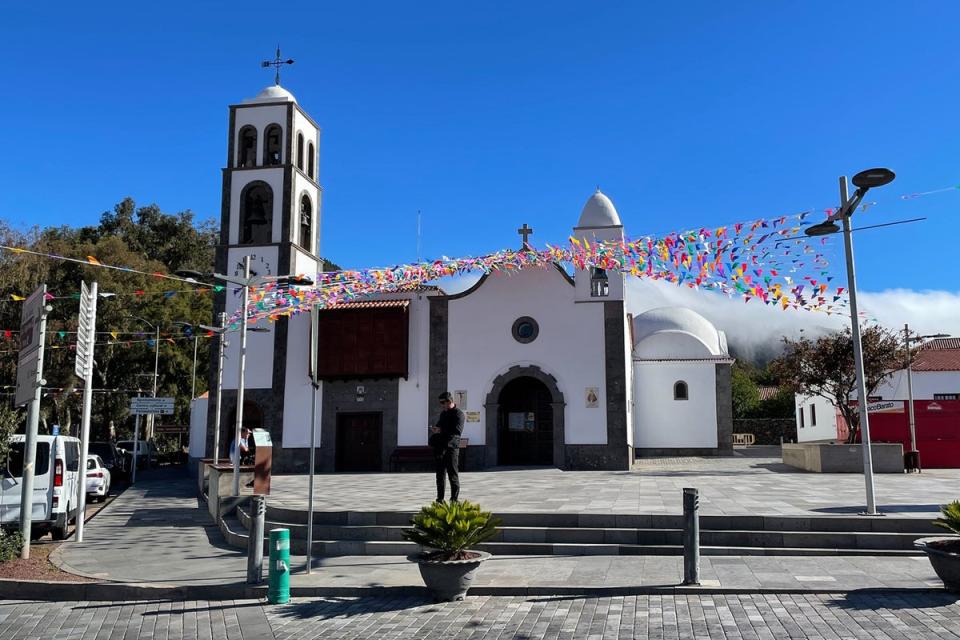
<point x="33" y="328"/>
<point x="86" y="337"/>
<point x="145" y="407"/>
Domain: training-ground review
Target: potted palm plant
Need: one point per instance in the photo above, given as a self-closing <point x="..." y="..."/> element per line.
<point x="446" y="531"/>
<point x="944" y="551"/>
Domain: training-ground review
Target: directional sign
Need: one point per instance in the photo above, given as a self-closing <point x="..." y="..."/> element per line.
<point x="171" y="428"/>
<point x="148" y="406"/>
<point x="31" y="341"/>
<point x="86" y="331"/>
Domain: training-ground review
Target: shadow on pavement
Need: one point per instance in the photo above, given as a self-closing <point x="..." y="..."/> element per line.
<point x="884" y="508"/>
<point x="873" y="599"/>
<point x="334" y="607"/>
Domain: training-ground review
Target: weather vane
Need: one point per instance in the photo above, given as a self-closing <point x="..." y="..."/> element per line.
<point x="276" y="63"/>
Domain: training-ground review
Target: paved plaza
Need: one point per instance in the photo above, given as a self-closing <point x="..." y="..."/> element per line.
<point x="739" y="485"/>
<point x="861" y="615"/>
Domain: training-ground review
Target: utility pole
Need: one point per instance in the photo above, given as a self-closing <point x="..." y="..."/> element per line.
<point x="86" y="338"/>
<point x="858" y="356"/>
<point x="216" y="420"/>
<point x="243" y="363"/>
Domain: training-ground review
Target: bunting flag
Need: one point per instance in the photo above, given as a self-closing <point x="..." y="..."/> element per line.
<point x="770" y="260"/>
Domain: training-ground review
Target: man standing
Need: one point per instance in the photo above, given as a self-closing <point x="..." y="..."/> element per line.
<point x="244" y="447"/>
<point x="445" y="440"/>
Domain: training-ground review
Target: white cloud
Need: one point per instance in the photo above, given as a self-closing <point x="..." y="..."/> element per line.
<point x="754" y="329"/>
<point x="757" y="330"/>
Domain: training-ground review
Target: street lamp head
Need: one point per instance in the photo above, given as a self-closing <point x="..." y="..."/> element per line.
<point x="192" y="276"/>
<point x="258" y="329"/>
<point x="296" y="281"/>
<point x="822" y="229"/>
<point x="873" y="178"/>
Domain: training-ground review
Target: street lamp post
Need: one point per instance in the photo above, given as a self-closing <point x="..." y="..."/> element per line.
<point x="864" y="181"/>
<point x="246" y="282"/>
<point x="913" y="456"/>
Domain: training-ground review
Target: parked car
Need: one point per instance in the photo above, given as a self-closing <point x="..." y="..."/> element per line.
<point x="55" y="480"/>
<point x="113" y="458"/>
<point x="146" y="453"/>
<point x="98" y="479"/>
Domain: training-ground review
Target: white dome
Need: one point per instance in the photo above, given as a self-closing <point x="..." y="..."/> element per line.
<point x="599" y="212"/>
<point x="273" y="93"/>
<point x="676" y="333"/>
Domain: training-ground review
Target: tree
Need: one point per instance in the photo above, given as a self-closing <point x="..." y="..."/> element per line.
<point x="744" y="392"/>
<point x="824" y="367"/>
<point x="145" y="239"/>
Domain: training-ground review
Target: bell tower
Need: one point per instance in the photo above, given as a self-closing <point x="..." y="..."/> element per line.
<point x="599" y="222"/>
<point x="270" y="210"/>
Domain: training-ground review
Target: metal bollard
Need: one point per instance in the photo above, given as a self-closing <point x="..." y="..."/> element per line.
<point x="691" y="536"/>
<point x="278" y="591"/>
<point x="258" y="513"/>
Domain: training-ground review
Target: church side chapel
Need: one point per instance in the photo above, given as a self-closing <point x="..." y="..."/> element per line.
<point x="549" y="366"/>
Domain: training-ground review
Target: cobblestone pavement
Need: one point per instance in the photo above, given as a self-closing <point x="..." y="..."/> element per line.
<point x="859" y="615"/>
<point x="739" y="485"/>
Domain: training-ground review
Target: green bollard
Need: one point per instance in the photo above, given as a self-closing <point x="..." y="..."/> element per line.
<point x="279" y="588"/>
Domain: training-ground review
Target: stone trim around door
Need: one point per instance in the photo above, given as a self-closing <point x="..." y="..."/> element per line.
<point x="492" y="407"/>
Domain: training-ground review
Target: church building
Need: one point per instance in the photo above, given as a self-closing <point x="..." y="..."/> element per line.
<point x="549" y="366"/>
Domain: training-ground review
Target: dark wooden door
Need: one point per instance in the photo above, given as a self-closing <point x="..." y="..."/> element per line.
<point x="525" y="423"/>
<point x="359" y="441"/>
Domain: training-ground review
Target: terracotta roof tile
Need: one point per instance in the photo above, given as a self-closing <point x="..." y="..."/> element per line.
<point x="937" y="359"/>
<point x="369" y="304"/>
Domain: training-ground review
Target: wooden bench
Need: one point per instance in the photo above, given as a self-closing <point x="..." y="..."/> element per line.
<point x="422" y="456"/>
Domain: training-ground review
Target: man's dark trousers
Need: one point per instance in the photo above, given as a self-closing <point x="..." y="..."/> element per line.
<point x="447" y="460"/>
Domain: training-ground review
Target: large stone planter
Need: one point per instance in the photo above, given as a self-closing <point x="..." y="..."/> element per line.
<point x="842" y="458"/>
<point x="448" y="580"/>
<point x="944" y="555"/>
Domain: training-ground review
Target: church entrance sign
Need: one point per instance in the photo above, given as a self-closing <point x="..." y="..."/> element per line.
<point x="525" y="423"/>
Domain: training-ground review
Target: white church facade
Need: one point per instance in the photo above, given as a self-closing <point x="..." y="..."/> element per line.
<point x="549" y="366"/>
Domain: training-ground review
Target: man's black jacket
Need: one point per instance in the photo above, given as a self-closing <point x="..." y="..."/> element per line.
<point x="451" y="426"/>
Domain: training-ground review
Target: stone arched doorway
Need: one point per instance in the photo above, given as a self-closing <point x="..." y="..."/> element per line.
<point x="525" y="419"/>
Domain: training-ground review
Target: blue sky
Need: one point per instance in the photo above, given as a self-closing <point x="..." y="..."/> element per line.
<point x="488" y="115"/>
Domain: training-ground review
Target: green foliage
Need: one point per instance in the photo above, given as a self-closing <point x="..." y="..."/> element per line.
<point x="746" y="396"/>
<point x="450" y="528"/>
<point x="10" y="544"/>
<point x="142" y="238"/>
<point x="951" y="517"/>
<point x="824" y="367"/>
<point x="10" y="421"/>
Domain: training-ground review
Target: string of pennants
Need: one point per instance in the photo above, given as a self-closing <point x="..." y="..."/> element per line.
<point x="769" y="260"/>
<point x="151" y="342"/>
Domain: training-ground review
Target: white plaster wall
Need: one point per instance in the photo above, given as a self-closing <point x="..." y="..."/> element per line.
<point x="413" y="402"/>
<point x="661" y="421"/>
<point x="298" y="392"/>
<point x="672" y="344"/>
<point x="570" y="346"/>
<point x="310" y="134"/>
<point x="198" y="428"/>
<point x="273" y="176"/>
<point x="259" y="365"/>
<point x="925" y="384"/>
<point x="825" y="413"/>
<point x="260" y="117"/>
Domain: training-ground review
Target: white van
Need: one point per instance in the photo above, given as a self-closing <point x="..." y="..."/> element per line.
<point x="56" y="474"/>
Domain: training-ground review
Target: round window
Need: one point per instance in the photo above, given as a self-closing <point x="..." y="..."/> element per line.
<point x="525" y="329"/>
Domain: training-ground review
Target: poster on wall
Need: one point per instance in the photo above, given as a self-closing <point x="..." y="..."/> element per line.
<point x="472" y="416"/>
<point x="521" y="421"/>
<point x="593" y="397"/>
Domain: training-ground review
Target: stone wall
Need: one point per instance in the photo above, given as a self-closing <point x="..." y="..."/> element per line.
<point x="767" y="430"/>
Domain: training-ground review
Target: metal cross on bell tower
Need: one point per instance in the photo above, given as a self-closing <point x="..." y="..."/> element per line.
<point x="525" y="232"/>
<point x="276" y="63"/>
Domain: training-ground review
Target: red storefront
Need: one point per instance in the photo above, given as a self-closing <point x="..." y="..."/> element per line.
<point x="937" y="426"/>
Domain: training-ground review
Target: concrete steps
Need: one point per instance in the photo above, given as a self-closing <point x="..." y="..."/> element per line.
<point x="379" y="533"/>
